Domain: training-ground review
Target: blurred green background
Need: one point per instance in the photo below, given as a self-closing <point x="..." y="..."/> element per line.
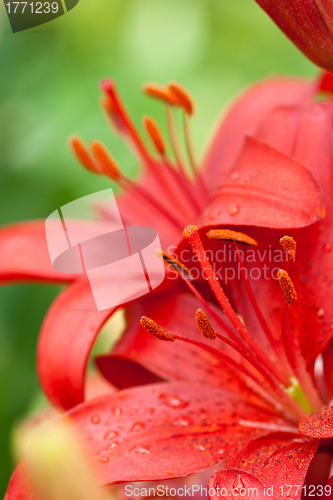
<point x="49" y="90"/>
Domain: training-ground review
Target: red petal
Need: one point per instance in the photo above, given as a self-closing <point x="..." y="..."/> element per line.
<point x="68" y="333"/>
<point x="232" y="483"/>
<point x="266" y="188"/>
<point x="318" y="425"/>
<point x="24" y="254"/>
<point x="251" y="109"/>
<point x="279" y="461"/>
<point x="308" y="24"/>
<point x="159" y="431"/>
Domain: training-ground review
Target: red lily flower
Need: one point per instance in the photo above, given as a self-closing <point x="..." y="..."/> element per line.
<point x="213" y="403"/>
<point x="308" y="24"/>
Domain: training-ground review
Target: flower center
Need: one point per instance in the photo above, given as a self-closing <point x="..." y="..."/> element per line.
<point x="286" y="384"/>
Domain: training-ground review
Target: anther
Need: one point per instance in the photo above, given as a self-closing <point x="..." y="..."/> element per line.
<point x="175" y="264"/>
<point x="289" y="245"/>
<point x="159" y="92"/>
<point x="287" y="287"/>
<point x="229" y="235"/>
<point x="155" y="330"/>
<point x="204" y="325"/>
<point x="81" y="153"/>
<point x="108" y="165"/>
<point x="182" y="97"/>
<point x="155" y="134"/>
<point x="189" y="230"/>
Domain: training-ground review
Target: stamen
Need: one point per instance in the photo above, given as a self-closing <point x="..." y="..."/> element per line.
<point x="82" y="155"/>
<point x="121" y="119"/>
<point x="158" y="332"/>
<point x="155" y="135"/>
<point x="154" y="329"/>
<point x="229" y="235"/>
<point x="289" y="246"/>
<point x="262" y="321"/>
<point x="204" y="325"/>
<point x="175" y="144"/>
<point x="175" y="264"/>
<point x="287" y="287"/>
<point x="182" y="97"/>
<point x="191" y="233"/>
<point x="108" y="165"/>
<point x="185" y="274"/>
<point x="159" y="92"/>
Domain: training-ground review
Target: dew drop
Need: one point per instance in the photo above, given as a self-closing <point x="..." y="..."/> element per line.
<point x="233" y="209"/>
<point x="238" y="483"/>
<point x="200" y="447"/>
<point x="138" y="426"/>
<point x="183" y="421"/>
<point x="104" y="460"/>
<point x="327" y="248"/>
<point x="110" y="435"/>
<point x="139" y="450"/>
<point x="235" y="176"/>
<point x="113" y="445"/>
<point x="117" y="412"/>
<point x="321" y="313"/>
<point x="215" y="212"/>
<point x="173" y="401"/>
<point x="95" y="419"/>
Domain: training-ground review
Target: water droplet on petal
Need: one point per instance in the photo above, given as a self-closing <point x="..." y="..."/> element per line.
<point x="183" y="421"/>
<point x="104" y="460"/>
<point x="233" y="209"/>
<point x="139" y="450"/>
<point x="138" y="426"/>
<point x="327" y="248"/>
<point x="113" y="445"/>
<point x="215" y="212"/>
<point x="238" y="483"/>
<point x="235" y="176"/>
<point x="200" y="447"/>
<point x="117" y="412"/>
<point x="110" y="435"/>
<point x="321" y="313"/>
<point x="95" y="419"/>
<point x="173" y="401"/>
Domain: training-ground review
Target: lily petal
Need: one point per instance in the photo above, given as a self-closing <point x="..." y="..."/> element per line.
<point x="318" y="425"/>
<point x="266" y="188"/>
<point x="278" y="460"/>
<point x="24" y="254"/>
<point x="244" y="118"/>
<point x="308" y="24"/>
<point x="233" y="482"/>
<point x="67" y="336"/>
<point x="157" y="432"/>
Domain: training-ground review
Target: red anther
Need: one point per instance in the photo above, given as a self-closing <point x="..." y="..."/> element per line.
<point x="182" y="97"/>
<point x="82" y="155"/>
<point x="107" y="164"/>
